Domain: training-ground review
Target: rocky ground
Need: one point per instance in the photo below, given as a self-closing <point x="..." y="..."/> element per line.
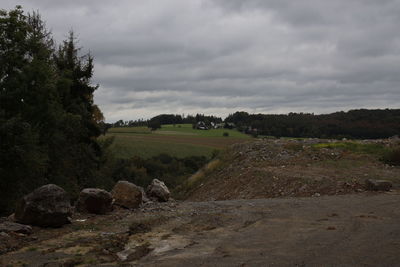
<point x="291" y="168"/>
<point x="351" y="230"/>
<point x="267" y="203"/>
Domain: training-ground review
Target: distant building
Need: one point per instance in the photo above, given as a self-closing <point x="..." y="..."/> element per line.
<point x="201" y="126"/>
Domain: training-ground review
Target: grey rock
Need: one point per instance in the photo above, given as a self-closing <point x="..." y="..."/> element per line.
<point x="127" y="195"/>
<point x="94" y="200"/>
<point x="378" y="185"/>
<point x="4" y="235"/>
<point x="157" y="190"/>
<point x="47" y="206"/>
<point x="145" y="199"/>
<point x="134" y="254"/>
<point x="8" y="227"/>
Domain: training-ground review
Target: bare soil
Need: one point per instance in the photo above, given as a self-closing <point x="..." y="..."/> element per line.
<point x="289" y="168"/>
<point x="351" y="230"/>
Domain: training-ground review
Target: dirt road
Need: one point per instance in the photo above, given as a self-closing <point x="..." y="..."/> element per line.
<point x="350" y="230"/>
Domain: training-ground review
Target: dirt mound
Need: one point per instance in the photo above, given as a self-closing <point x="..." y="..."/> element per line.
<point x="296" y="168"/>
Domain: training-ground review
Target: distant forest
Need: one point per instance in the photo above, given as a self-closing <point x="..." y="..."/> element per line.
<point x="359" y="124"/>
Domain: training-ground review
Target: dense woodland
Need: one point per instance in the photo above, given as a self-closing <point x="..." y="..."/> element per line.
<point x="359" y="124"/>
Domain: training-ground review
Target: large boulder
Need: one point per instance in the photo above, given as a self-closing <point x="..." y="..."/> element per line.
<point x="47" y="206"/>
<point x="94" y="200"/>
<point x="378" y="185"/>
<point x="127" y="195"/>
<point x="158" y="191"/>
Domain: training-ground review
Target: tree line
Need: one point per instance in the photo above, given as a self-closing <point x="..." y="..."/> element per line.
<point x="358" y="124"/>
<point x="157" y="121"/>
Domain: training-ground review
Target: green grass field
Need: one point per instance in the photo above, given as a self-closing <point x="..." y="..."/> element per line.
<point x="179" y="141"/>
<point x="186" y="129"/>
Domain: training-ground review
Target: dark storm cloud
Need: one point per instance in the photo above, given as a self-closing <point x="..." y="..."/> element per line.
<point x="219" y="56"/>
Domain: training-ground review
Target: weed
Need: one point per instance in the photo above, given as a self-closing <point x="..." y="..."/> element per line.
<point x="294" y="146"/>
<point x="181" y="191"/>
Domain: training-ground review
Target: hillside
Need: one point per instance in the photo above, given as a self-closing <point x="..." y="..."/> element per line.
<point x="179" y="140"/>
<point x="292" y="168"/>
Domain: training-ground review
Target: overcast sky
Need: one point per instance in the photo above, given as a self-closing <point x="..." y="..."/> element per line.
<point x="220" y="56"/>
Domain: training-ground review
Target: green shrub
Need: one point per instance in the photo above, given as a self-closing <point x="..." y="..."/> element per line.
<point x="392" y="157"/>
<point x="225" y="134"/>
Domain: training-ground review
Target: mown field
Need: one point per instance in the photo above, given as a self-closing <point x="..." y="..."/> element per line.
<point x="178" y="140"/>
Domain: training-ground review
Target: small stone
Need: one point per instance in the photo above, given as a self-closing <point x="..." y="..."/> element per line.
<point x="378" y="185"/>
<point x="8" y="227"/>
<point x="4" y="235"/>
<point x="145" y="199"/>
<point x="303" y="188"/>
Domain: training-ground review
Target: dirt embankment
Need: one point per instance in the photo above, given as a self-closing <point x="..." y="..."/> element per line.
<point x="290" y="168"/>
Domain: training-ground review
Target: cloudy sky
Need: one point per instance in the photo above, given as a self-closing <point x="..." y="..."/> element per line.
<point x="220" y="56"/>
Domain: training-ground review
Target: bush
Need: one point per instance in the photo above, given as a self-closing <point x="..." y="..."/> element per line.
<point x="154" y="125"/>
<point x="392" y="157"/>
<point x="225" y="134"/>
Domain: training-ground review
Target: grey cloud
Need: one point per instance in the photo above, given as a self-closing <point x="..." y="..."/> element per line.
<point x="219" y="56"/>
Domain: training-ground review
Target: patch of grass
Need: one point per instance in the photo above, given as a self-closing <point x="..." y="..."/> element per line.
<point x="293" y="146"/>
<point x="187" y="129"/>
<point x="132" y="130"/>
<point x="374" y="149"/>
<point x="203" y="172"/>
<point x="182" y="191"/>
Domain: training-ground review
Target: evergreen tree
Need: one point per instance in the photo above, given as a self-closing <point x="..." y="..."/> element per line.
<point x="48" y="121"/>
<point x="27" y="96"/>
<point x="80" y="123"/>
